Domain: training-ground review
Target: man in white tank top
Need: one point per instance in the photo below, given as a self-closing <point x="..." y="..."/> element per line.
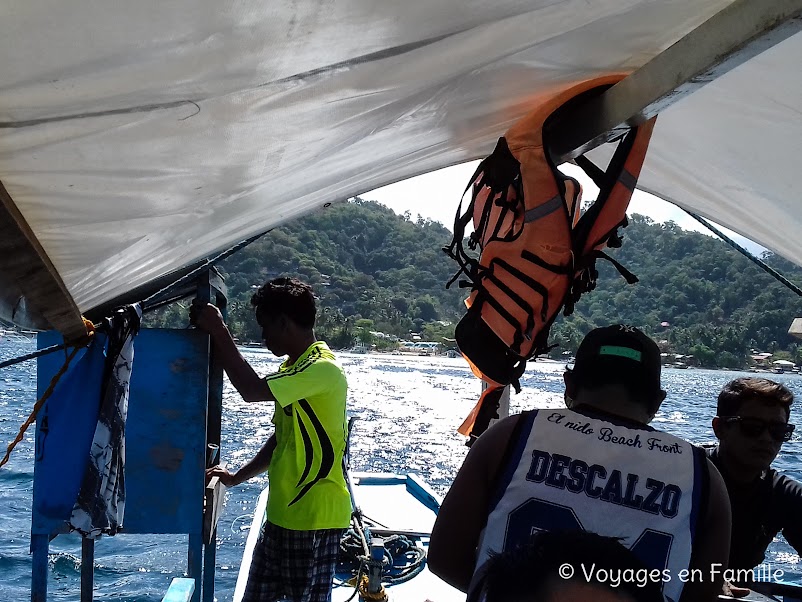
<point x="596" y="466"/>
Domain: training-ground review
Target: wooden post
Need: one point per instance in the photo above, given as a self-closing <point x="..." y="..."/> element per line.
<point x="212" y="289"/>
<point x="87" y="569"/>
<point x="195" y="562"/>
<point x="39" y="549"/>
<point x="503" y="405"/>
<point x="209" y="559"/>
<point x="215" y="493"/>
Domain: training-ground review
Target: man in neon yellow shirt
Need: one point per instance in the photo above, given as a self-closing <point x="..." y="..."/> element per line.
<point x="308" y="505"/>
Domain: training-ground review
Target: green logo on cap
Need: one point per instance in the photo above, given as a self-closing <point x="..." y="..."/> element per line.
<point x="626" y="352"/>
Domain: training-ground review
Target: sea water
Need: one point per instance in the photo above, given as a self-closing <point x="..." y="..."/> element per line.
<point x="407" y="408"/>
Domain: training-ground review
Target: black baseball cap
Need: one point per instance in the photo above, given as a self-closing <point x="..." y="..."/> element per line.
<point x="618" y="354"/>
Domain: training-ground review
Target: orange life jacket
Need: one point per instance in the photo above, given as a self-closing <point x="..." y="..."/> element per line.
<point x="537" y="253"/>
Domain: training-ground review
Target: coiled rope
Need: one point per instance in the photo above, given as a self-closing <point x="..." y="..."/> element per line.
<point x="403" y="559"/>
<point x="354" y="551"/>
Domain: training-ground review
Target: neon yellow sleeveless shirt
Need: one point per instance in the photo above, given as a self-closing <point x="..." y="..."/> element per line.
<point x="307" y="484"/>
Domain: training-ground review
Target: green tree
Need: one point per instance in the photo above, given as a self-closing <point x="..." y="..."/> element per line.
<point x="364" y="336"/>
<point x="367" y="263"/>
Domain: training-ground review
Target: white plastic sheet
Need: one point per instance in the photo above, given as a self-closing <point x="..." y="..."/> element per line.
<point x="136" y="137"/>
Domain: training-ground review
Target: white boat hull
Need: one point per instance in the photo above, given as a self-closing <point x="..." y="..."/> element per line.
<point x="390" y="502"/>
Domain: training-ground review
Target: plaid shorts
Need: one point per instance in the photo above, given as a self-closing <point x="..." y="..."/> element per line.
<point x="297" y="565"/>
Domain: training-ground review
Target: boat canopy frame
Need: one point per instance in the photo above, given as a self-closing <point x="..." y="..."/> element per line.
<point x="739" y="32"/>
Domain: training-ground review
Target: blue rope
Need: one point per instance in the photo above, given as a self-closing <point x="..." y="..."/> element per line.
<point x="32" y="356"/>
<point x="404" y="559"/>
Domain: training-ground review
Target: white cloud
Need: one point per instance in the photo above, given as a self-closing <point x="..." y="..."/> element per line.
<point x="434" y="195"/>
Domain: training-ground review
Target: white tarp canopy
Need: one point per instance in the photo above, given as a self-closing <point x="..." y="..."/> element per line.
<point x="140" y="136"/>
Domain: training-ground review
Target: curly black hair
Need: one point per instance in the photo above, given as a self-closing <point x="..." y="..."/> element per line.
<point x="288" y="296"/>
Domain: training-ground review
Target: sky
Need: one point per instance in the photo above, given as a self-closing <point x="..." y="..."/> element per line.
<point x="436" y="196"/>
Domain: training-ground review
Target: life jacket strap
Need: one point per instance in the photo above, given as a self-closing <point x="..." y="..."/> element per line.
<point x="498" y="172"/>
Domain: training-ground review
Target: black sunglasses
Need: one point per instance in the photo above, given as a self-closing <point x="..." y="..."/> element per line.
<point x="754" y="427"/>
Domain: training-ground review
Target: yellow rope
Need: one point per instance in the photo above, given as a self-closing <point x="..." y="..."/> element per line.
<point x="38" y="406"/>
<point x="379" y="596"/>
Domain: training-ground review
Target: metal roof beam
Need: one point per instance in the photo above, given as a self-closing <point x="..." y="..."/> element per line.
<point x="730" y="37"/>
<point x="32" y="294"/>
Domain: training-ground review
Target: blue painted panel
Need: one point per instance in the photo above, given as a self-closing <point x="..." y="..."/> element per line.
<point x="423" y="493"/>
<point x="40" y="570"/>
<point x="65" y="427"/>
<point x="165" y="432"/>
<point x="180" y="590"/>
<point x="379" y="478"/>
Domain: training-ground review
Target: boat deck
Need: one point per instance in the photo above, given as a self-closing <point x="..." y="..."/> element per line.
<point x="389" y="503"/>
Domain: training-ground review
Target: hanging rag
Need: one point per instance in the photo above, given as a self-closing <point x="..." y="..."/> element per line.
<point x="100" y="506"/>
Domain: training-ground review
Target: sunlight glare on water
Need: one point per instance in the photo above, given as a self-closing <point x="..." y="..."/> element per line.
<point x="407" y="408"/>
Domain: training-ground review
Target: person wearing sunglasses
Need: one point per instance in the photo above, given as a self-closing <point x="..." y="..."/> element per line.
<point x="751" y="426"/>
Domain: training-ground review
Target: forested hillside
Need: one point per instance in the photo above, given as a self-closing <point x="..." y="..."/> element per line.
<point x="376" y="271"/>
<point x="718" y="304"/>
<point x="365" y="263"/>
